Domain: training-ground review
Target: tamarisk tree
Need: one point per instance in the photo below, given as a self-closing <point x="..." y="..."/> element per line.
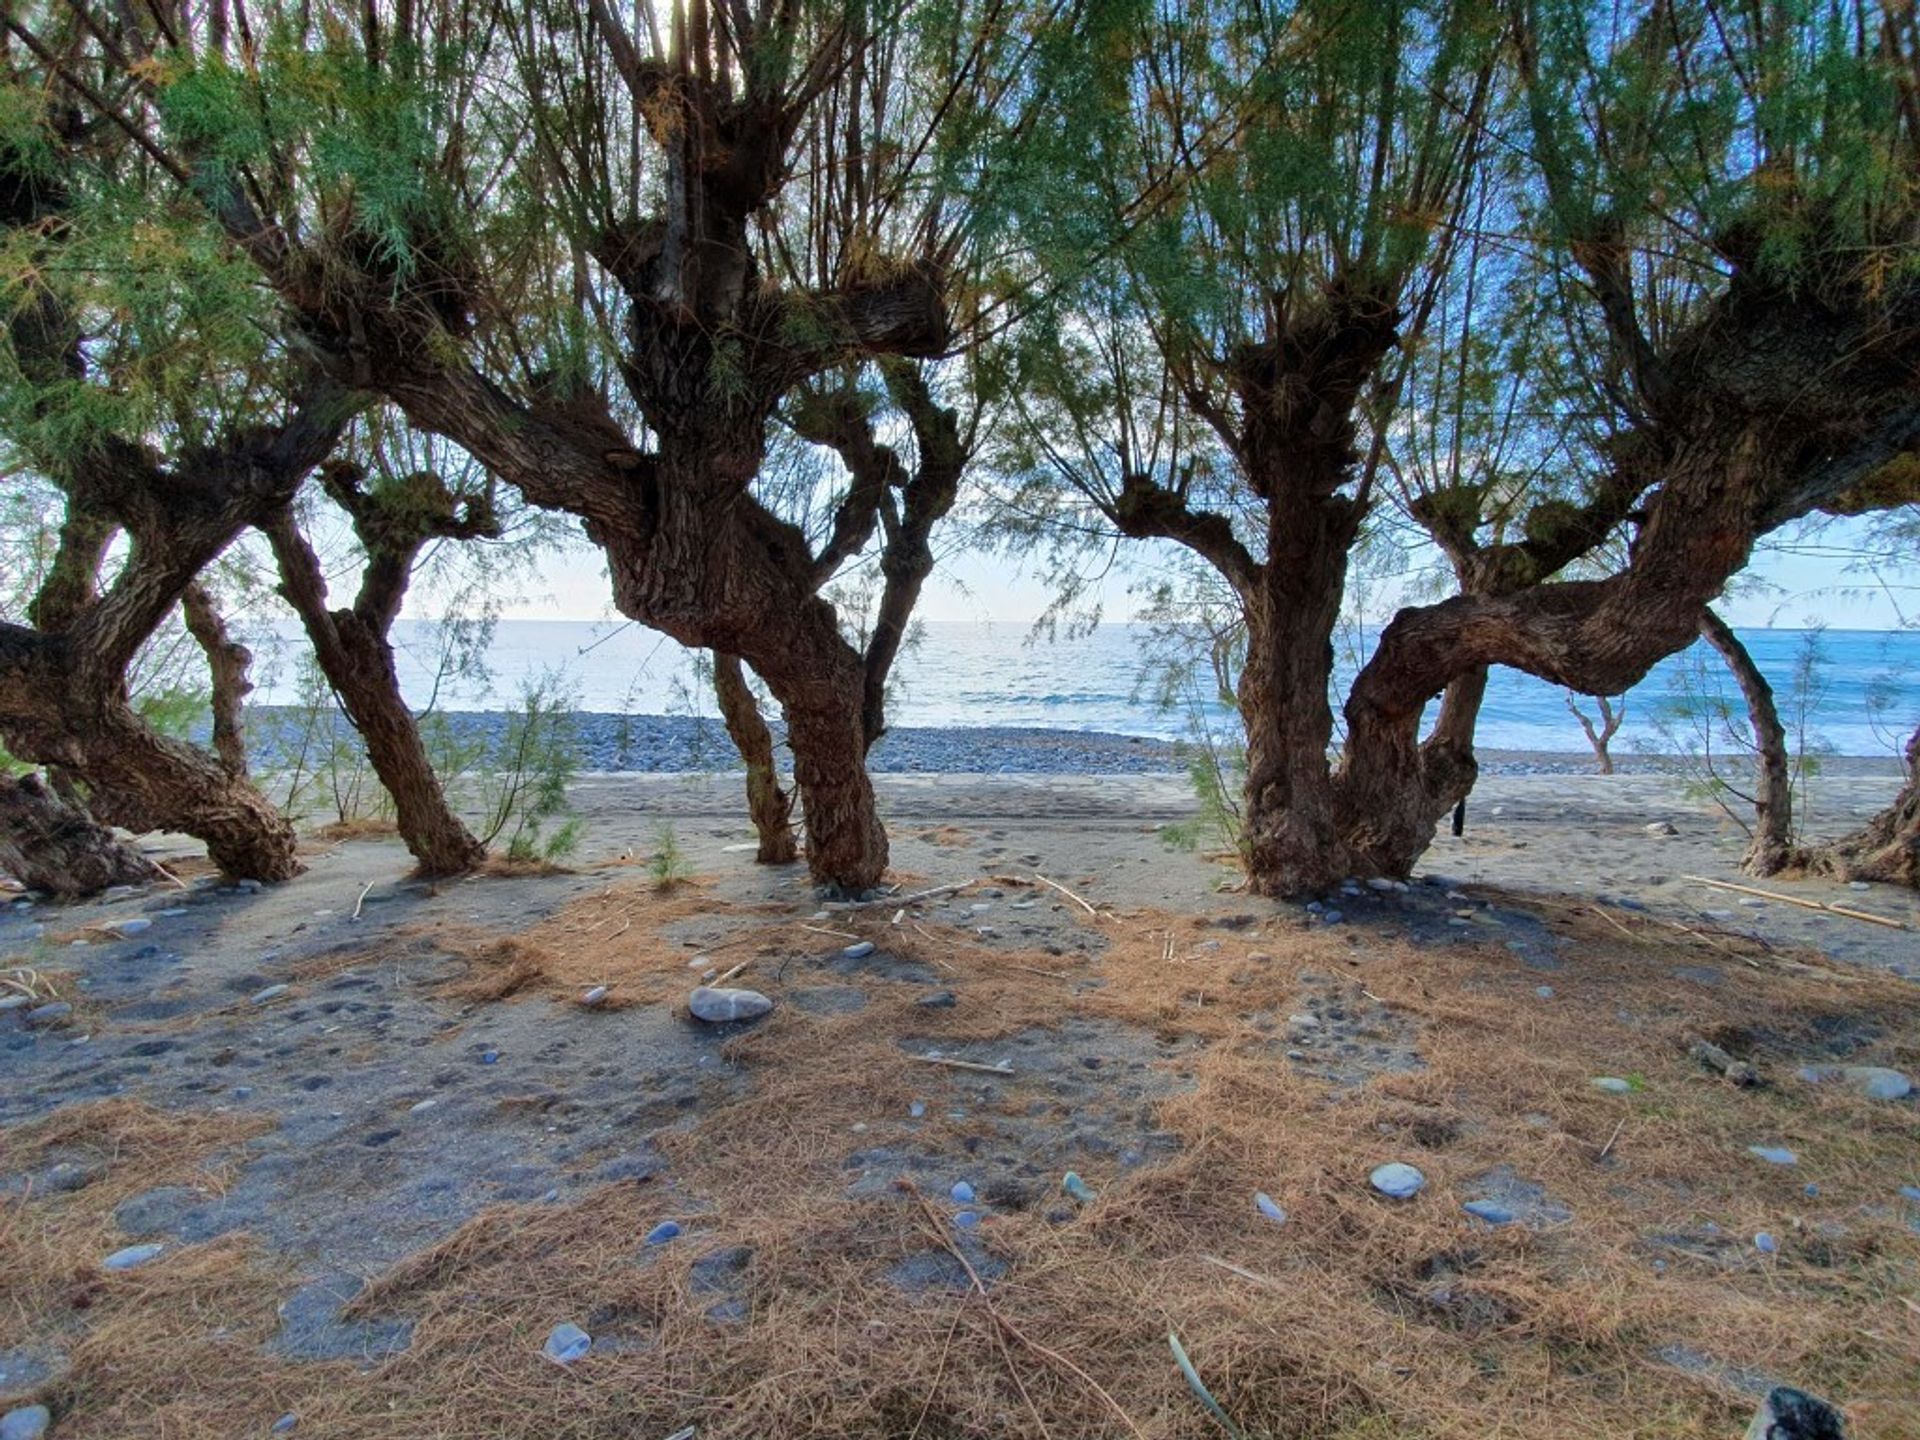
<point x="160" y="455"/>
<point x="569" y="279"/>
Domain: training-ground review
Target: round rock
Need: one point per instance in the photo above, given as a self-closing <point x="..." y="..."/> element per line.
<point x="718" y="1007"/>
<point x="1612" y="1084"/>
<point x="1397" y="1181"/>
<point x="29" y="1422"/>
<point x="566" y="1343"/>
<point x="132" y="1256"/>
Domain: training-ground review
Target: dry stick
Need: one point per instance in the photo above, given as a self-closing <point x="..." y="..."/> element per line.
<point x="733" y="972"/>
<point x="836" y="934"/>
<point x="1053" y="1357"/>
<point x="962" y="1064"/>
<point x="899" y="899"/>
<point x="1606" y="1148"/>
<point x="362" y="900"/>
<point x="1804" y="904"/>
<point x="1066" y="892"/>
<point x="1243" y="1273"/>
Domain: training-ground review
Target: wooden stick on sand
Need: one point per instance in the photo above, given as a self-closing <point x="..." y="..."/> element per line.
<point x="962" y="1064"/>
<point x="1066" y="892"/>
<point x="1804" y="904"/>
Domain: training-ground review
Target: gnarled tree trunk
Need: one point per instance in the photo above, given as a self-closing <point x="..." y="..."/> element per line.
<point x="769" y="805"/>
<point x="227" y="664"/>
<point x="1770" y="849"/>
<point x="1887" y="849"/>
<point x="1293" y="844"/>
<point x="351" y="646"/>
<point x="50" y="845"/>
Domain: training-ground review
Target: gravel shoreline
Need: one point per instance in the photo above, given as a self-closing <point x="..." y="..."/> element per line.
<point x="673" y="744"/>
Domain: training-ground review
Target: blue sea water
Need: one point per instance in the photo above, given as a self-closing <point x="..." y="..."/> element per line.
<point x="1864" y="701"/>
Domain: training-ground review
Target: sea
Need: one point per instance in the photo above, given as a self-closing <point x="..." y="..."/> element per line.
<point x="1844" y="692"/>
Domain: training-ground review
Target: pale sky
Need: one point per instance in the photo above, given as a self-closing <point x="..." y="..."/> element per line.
<point x="1784" y="588"/>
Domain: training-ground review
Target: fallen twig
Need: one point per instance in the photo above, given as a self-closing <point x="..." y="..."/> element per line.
<point x="1607" y="1148"/>
<point x="366" y="890"/>
<point x="1243" y="1272"/>
<point x="899" y="899"/>
<point x="837" y="934"/>
<point x="962" y="1064"/>
<point x="1801" y="901"/>
<point x="733" y="972"/>
<point x="1066" y="892"/>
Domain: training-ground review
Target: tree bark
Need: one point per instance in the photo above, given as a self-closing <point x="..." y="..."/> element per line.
<point x="50" y="845"/>
<point x="353" y="652"/>
<point x="227" y="664"/>
<point x="1770" y="849"/>
<point x="1887" y="848"/>
<point x="769" y="805"/>
<point x="1293" y="844"/>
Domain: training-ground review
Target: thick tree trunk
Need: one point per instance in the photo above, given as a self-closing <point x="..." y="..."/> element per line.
<point x="227" y="663"/>
<point x="1293" y="841"/>
<point x="143" y="780"/>
<point x="50" y="845"/>
<point x="358" y="663"/>
<point x="1888" y="848"/>
<point x="1771" y="848"/>
<point x="719" y="572"/>
<point x="769" y="805"/>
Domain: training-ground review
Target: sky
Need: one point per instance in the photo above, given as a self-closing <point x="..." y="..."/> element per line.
<point x="1788" y="586"/>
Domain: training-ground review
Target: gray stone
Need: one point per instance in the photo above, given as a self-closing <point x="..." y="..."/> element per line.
<point x="133" y="1256"/>
<point x="938" y="1000"/>
<point x="717" y="1007"/>
<point x="285" y="1423"/>
<point x="1491" y="1211"/>
<point x="1876" y="1082"/>
<point x="15" y="1002"/>
<point x="133" y="925"/>
<point x="268" y="995"/>
<point x="1612" y="1084"/>
<point x="1661" y="828"/>
<point x="1774" y="1154"/>
<point x="663" y="1232"/>
<point x="566" y="1343"/>
<point x="29" y="1422"/>
<point x="961" y="1192"/>
<point x="1789" y="1414"/>
<point x="1264" y="1203"/>
<point x="57" y="1012"/>
<point x="594" y="996"/>
<point x="1397" y="1181"/>
<point x="859" y="950"/>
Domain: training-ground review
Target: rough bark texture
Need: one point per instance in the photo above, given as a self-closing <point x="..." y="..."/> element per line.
<point x="769" y="805"/>
<point x="1771" y="847"/>
<point x="228" y="662"/>
<point x="354" y="654"/>
<point x="50" y="845"/>
<point x="1887" y="849"/>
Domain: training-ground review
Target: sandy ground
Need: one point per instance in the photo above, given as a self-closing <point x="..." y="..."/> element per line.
<point x="391" y="1101"/>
